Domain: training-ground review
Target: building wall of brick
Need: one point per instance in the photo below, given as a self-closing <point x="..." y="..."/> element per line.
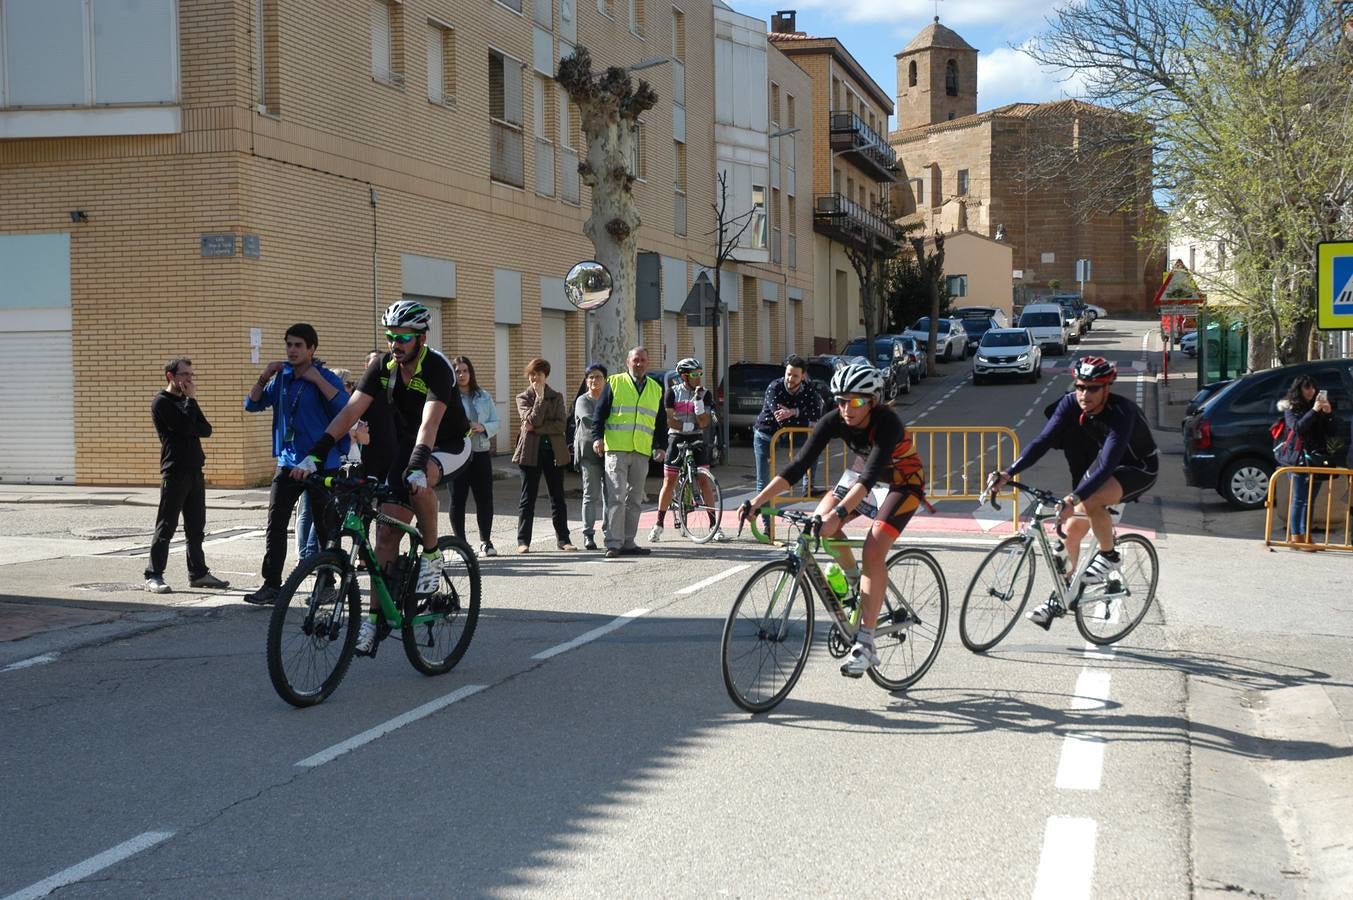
<point x="300" y="176"/>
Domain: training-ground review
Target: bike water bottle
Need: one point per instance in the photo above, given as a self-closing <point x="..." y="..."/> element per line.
<point x="836" y="577"/>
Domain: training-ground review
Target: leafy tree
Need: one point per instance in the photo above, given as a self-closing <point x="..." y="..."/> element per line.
<point x="610" y="106"/>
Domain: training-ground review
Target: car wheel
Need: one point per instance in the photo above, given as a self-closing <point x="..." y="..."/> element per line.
<point x="1038" y="371"/>
<point x="1058" y="349"/>
<point x="1033" y="375"/>
<point x="1244" y="483"/>
<point x="976" y="379"/>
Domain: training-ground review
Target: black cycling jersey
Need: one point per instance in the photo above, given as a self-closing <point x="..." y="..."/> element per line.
<point x="433" y="380"/>
<point x="1119" y="432"/>
<point x="889" y="457"/>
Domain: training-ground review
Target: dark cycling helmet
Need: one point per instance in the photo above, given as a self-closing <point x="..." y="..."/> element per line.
<point x="1094" y="370"/>
<point x="407" y="314"/>
<point x="857" y="379"/>
<point x="688" y="365"/>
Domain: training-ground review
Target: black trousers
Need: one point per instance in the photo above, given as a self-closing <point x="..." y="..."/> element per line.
<point x="281" y="501"/>
<point x="530" y="486"/>
<point x="182" y="492"/>
<point x="476" y="476"/>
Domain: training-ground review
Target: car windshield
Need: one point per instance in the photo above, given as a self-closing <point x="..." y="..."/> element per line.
<point x="1004" y="339"/>
<point x="1035" y="319"/>
<point x="923" y="324"/>
<point x="976" y="326"/>
<point x="753" y="377"/>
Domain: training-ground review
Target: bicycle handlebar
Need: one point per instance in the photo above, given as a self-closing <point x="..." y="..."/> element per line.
<point x="803" y="520"/>
<point x="1042" y="496"/>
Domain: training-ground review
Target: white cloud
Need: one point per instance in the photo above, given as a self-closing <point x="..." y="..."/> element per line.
<point x="1007" y="75"/>
<point x="913" y="15"/>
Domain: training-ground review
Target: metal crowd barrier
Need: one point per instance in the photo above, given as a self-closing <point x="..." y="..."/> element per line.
<point x="1331" y="512"/>
<point x="957" y="462"/>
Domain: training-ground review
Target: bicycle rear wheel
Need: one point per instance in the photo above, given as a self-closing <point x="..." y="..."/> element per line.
<point x="912" y="619"/>
<point x="699" y="519"/>
<point x="313" y="630"/>
<point x="438" y="629"/>
<point x="1108" y="612"/>
<point x="997" y="594"/>
<point x="767" y="636"/>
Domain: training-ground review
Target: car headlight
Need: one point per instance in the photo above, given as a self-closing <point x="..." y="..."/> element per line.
<point x="980" y="358"/>
<point x="1022" y="357"/>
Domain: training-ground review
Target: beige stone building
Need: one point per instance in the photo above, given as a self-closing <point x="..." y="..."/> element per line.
<point x="1018" y="174"/>
<point x="853" y="168"/>
<point x="192" y="177"/>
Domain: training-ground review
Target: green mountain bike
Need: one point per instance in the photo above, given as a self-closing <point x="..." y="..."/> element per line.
<point x="317" y="616"/>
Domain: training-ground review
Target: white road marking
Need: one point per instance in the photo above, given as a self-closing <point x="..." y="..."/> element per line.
<point x="40" y="660"/>
<point x="385" y="728"/>
<point x="183" y="547"/>
<point x="81" y="871"/>
<point x="591" y="635"/>
<point x="1082" y="763"/>
<point x="1094" y="651"/>
<point x="1066" y="866"/>
<point x="712" y="579"/>
<point x="1092" y="690"/>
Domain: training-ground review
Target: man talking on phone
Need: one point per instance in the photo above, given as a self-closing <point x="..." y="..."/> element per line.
<point x="1109" y="430"/>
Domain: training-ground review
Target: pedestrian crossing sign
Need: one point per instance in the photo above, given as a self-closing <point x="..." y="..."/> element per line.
<point x="1334" y="285"/>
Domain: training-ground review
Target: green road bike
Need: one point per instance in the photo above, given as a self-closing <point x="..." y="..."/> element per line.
<point x="313" y="633"/>
<point x="691" y="514"/>
<point x="770" y="627"/>
<point x="1001" y="586"/>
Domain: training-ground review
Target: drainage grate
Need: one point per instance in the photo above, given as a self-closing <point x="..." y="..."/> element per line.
<point x="111" y="587"/>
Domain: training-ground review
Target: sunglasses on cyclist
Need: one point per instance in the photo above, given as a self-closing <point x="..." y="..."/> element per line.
<point x="399" y="337"/>
<point x="695" y="373"/>
<point x="1088" y="388"/>
<point x="852" y="402"/>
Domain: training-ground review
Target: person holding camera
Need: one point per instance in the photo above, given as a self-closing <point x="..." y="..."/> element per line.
<point x="1306" y="414"/>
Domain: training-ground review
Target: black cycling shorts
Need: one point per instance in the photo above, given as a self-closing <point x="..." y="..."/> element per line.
<point x="1136" y="479"/>
<point x="893" y="514"/>
<point x="674" y="444"/>
<point x="448" y="462"/>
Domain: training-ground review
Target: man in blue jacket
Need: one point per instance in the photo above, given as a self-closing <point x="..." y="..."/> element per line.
<point x="304" y="396"/>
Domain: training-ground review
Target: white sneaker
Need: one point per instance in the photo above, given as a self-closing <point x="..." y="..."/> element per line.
<point x="487" y="549"/>
<point x="655" y="535"/>
<point x="1099" y="569"/>
<point x="720" y="536"/>
<point x="860" y="659"/>
<point x="429" y="574"/>
<point x="155" y="585"/>
<point x="1043" y="614"/>
<point x="366" y="638"/>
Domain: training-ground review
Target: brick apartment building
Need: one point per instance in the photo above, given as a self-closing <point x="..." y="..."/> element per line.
<point x="191" y="177"/>
<point x="1028" y="174"/>
<point x="853" y="171"/>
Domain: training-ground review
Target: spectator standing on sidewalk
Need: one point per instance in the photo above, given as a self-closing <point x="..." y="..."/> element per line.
<point x="180" y="424"/>
<point x="477" y="476"/>
<point x="1306" y="416"/>
<point x="541" y="450"/>
<point x="304" y="396"/>
<point x="790" y="401"/>
<point x="591" y="464"/>
<point x="628" y="421"/>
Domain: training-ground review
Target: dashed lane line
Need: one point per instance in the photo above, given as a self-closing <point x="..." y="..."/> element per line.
<point x="700" y="585"/>
<point x="589" y="636"/>
<point x="81" y="871"/>
<point x="371" y="734"/>
<point x="1066" y="867"/>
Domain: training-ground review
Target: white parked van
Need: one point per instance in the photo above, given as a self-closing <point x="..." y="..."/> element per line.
<point x="1046" y="323"/>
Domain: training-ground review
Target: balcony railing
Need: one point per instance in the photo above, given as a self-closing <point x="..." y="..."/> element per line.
<point x="852" y="137"/>
<point x="544" y="168"/>
<point x="775" y="244"/>
<point x="569" y="178"/>
<point x="506" y="157"/>
<point x="841" y="219"/>
<point x="793" y="255"/>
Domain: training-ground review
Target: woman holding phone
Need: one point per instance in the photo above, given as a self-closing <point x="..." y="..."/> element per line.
<point x="1306" y="413"/>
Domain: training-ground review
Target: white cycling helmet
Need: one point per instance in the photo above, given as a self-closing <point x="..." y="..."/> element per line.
<point x="857" y="379"/>
<point x="407" y="314"/>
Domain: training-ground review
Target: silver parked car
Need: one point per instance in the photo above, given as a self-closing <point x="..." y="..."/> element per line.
<point x="951" y="339"/>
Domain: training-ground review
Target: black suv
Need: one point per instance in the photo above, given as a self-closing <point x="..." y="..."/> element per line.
<point x="891" y="358"/>
<point x="749" y="381"/>
<point x="1227" y="445"/>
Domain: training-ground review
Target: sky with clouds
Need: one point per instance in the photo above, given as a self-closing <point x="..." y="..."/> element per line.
<point x="874" y="30"/>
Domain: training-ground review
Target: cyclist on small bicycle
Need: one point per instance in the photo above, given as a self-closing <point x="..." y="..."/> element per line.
<point x="886" y="482"/>
<point x="430" y="428"/>
<point x="1112" y="456"/>
<point x="688" y="408"/>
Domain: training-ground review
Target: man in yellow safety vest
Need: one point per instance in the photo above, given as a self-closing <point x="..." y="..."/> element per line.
<point x="627" y="420"/>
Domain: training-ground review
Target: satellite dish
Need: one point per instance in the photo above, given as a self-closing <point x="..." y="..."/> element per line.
<point x="588" y="285"/>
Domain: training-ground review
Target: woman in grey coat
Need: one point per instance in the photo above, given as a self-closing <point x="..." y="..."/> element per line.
<point x="590" y="465"/>
<point x="541" y="450"/>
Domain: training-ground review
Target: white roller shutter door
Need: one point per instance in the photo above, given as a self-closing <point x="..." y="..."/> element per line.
<point x="37" y="439"/>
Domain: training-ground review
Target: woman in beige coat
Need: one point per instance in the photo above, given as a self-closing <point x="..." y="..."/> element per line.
<point x="541" y="450"/>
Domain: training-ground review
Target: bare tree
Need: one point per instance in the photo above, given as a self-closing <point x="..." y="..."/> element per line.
<point x="727" y="234"/>
<point x="610" y="106"/>
<point x="874" y="245"/>
<point x="931" y="267"/>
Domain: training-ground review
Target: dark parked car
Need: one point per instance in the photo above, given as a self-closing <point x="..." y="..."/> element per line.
<point x="976" y="327"/>
<point x="1227" y="445"/>
<point x="749" y="381"/>
<point x="892" y="358"/>
<point x="1204" y="394"/>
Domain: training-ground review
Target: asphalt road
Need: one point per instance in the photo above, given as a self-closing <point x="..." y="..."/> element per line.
<point x="1192" y="758"/>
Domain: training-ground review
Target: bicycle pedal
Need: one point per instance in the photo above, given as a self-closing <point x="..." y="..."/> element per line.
<point x="855" y="675"/>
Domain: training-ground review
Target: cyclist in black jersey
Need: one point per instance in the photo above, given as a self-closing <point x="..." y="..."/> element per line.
<point x="886" y="482"/>
<point x="430" y="435"/>
<point x="1112" y="454"/>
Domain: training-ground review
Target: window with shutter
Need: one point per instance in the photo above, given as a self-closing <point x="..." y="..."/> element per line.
<point x="381" y="69"/>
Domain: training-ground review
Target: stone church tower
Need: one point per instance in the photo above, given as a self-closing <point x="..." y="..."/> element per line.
<point x="936" y="78"/>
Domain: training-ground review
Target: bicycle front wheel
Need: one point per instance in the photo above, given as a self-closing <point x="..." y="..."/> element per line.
<point x="767" y="636"/>
<point x="912" y="619"/>
<point x="700" y="517"/>
<point x="1108" y="612"/>
<point x="313" y="629"/>
<point x="438" y="628"/>
<point x="997" y="594"/>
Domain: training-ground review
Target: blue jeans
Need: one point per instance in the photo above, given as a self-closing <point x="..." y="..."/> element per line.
<point x="761" y="454"/>
<point x="307" y="540"/>
<point x="1303" y="494"/>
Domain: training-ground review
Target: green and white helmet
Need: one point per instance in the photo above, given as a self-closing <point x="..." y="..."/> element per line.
<point x="408" y="314"/>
